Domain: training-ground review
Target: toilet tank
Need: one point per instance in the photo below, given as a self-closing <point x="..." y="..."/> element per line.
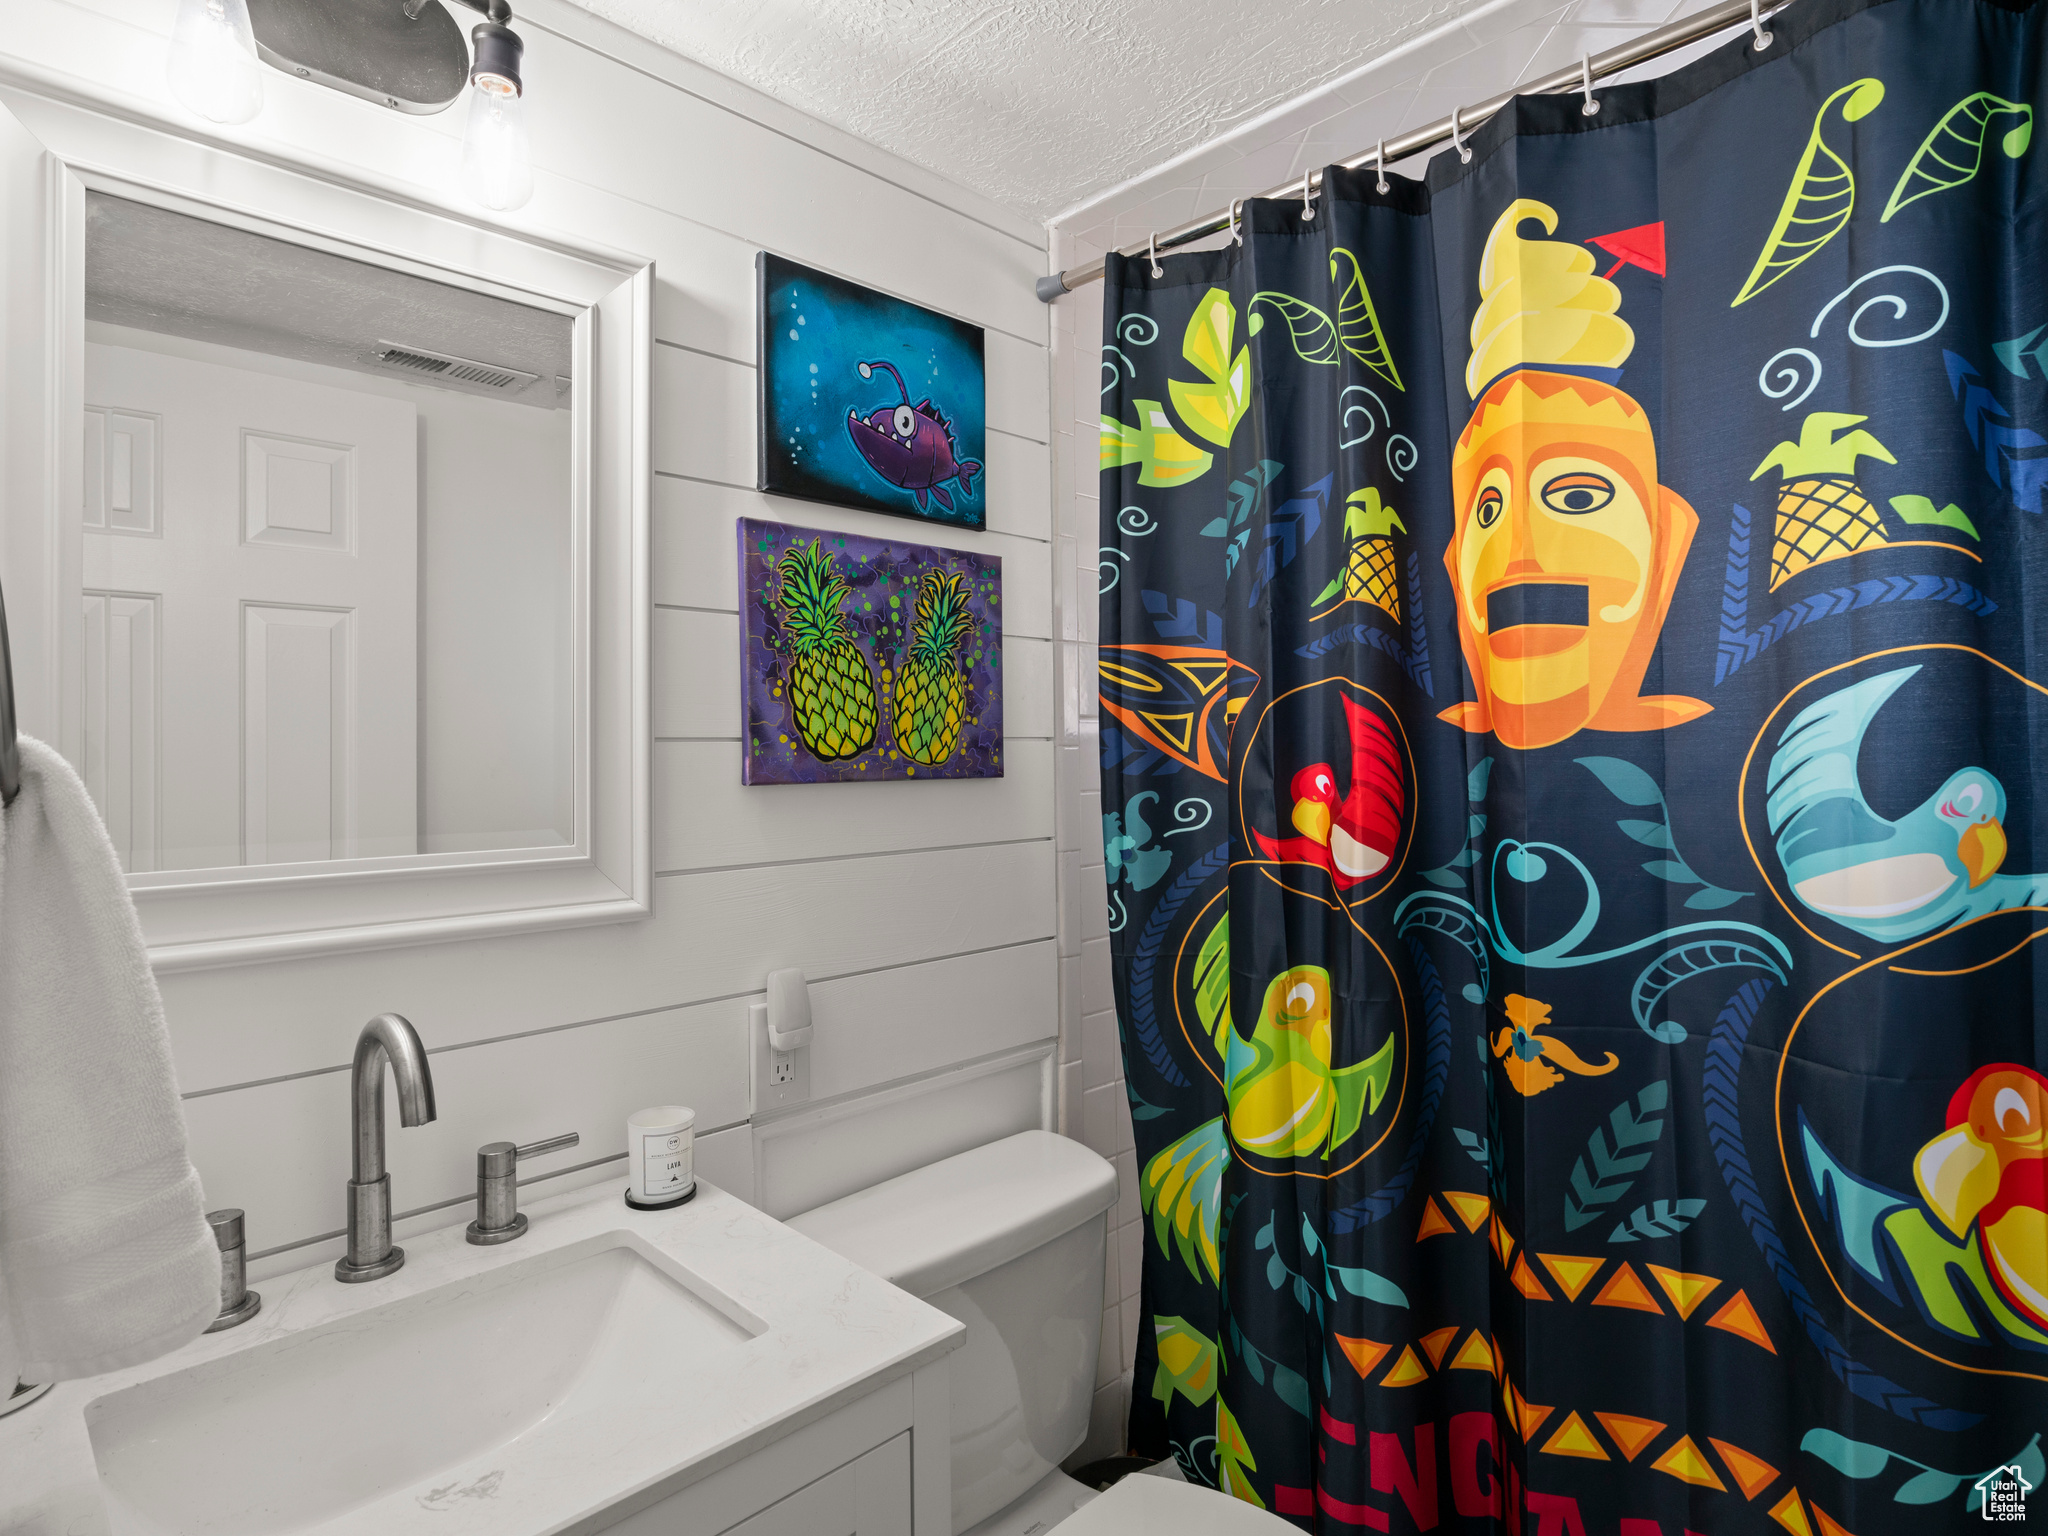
<point x="1009" y="1239"/>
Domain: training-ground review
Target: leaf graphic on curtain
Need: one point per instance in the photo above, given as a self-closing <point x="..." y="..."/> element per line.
<point x="1212" y="983"/>
<point x="1167" y="457"/>
<point x="1851" y="1458"/>
<point x="1213" y="410"/>
<point x="1819" y="200"/>
<point x="1953" y="151"/>
<point x="1631" y="786"/>
<point x="1660" y="1218"/>
<point x="1141" y="1109"/>
<point x="1243" y="498"/>
<point x="1861" y="1460"/>
<point x="1371" y="1286"/>
<point x="1234" y="1458"/>
<point x="1182" y="1191"/>
<point x="1475" y="1147"/>
<point x="1187" y="1361"/>
<point x="1921" y="510"/>
<point x="1290" y="1386"/>
<point x="1358" y="325"/>
<point x="1603" y="1174"/>
<point x="1288" y="529"/>
<point x="1315" y="338"/>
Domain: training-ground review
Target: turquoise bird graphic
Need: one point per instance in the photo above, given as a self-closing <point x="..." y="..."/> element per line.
<point x="1890" y="881"/>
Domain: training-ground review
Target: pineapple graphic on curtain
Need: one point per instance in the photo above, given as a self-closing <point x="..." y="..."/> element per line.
<point x="1584" y="1058"/>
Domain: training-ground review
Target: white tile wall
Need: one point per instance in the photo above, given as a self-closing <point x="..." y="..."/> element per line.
<point x="1483" y="53"/>
<point x="924" y="913"/>
<point x="1088" y="1022"/>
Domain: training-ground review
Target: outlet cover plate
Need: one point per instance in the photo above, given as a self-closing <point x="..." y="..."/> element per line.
<point x="780" y="1078"/>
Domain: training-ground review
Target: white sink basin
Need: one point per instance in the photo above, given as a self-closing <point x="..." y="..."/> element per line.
<point x="292" y="1433"/>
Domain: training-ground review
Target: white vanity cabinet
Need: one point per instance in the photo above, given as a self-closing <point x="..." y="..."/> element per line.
<point x="850" y="1473"/>
<point x="869" y="1496"/>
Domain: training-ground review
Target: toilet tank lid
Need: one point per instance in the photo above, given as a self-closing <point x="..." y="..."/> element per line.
<point x="945" y="1223"/>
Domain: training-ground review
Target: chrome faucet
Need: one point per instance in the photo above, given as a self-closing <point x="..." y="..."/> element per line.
<point x="390" y="1038"/>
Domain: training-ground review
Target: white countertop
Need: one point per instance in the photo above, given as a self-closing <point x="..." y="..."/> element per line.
<point x="833" y="1333"/>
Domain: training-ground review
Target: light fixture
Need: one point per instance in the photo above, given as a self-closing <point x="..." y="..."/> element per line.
<point x="406" y="55"/>
<point x="497" y="168"/>
<point x="213" y="67"/>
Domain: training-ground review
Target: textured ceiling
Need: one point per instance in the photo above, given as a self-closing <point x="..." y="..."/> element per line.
<point x="1038" y="104"/>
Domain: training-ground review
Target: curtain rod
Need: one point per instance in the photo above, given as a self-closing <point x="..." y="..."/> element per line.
<point x="1650" y="45"/>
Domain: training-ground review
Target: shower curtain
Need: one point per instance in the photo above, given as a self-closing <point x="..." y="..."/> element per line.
<point x="1568" y="718"/>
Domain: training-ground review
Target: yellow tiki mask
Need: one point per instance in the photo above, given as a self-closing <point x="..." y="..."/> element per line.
<point x="1566" y="550"/>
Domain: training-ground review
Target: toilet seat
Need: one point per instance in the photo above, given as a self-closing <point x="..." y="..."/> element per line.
<point x="1158" y="1506"/>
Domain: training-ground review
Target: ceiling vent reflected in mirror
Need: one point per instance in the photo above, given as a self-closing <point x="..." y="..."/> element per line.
<point x="451" y="370"/>
<point x="153" y="269"/>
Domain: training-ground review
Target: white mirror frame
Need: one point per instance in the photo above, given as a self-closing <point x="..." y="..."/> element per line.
<point x="203" y="918"/>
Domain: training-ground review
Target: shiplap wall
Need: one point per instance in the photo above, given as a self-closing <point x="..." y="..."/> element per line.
<point x="924" y="913"/>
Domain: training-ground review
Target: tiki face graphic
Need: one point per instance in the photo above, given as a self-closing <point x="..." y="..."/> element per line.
<point x="1564" y="557"/>
<point x="1566" y="549"/>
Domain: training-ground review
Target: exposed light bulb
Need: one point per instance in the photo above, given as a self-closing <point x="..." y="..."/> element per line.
<point x="213" y="67"/>
<point x="497" y="167"/>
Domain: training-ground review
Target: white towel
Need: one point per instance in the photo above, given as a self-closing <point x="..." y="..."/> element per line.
<point x="105" y="1256"/>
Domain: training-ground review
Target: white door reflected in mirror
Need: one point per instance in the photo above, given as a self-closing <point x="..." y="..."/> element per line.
<point x="275" y="581"/>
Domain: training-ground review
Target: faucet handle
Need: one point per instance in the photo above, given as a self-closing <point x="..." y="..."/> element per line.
<point x="498" y="1217"/>
<point x="560" y="1143"/>
<point x="237" y="1302"/>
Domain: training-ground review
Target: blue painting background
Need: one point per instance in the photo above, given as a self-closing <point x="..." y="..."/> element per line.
<point x="815" y="331"/>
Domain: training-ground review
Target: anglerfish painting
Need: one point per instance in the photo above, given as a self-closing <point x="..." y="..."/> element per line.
<point x="911" y="446"/>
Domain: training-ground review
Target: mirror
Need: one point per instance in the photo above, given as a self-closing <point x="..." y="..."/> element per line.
<point x="324" y="527"/>
<point x="327" y="559"/>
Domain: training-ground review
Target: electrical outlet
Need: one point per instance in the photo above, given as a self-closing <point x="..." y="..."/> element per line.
<point x="780" y="1077"/>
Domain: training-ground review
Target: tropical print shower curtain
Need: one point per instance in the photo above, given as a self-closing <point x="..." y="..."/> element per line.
<point x="1570" y="712"/>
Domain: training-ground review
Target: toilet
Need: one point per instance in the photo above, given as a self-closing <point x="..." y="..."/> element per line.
<point x="1009" y="1238"/>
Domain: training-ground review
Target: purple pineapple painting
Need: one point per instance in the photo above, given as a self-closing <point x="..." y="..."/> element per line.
<point x="867" y="658"/>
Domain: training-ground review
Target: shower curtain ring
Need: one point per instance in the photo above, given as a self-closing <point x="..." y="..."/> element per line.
<point x="1152" y="250"/>
<point x="1591" y="106"/>
<point x="1380" y="164"/>
<point x="1464" y="150"/>
<point x="1236" y="234"/>
<point x="1756" y="22"/>
<point x="1307" y="212"/>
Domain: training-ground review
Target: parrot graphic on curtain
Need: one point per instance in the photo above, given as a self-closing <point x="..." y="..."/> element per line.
<point x="1285" y="1100"/>
<point x="1975" y="1243"/>
<point x="1890" y="881"/>
<point x="1354" y="835"/>
<point x="1989" y="1171"/>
